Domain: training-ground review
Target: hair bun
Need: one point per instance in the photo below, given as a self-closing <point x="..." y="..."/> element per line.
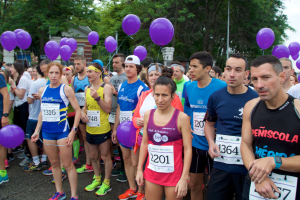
<point x="167" y="72"/>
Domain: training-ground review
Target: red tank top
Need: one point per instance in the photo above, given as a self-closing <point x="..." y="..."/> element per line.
<point x="164" y="164"/>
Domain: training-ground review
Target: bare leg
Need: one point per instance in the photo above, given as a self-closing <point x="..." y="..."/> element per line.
<point x="170" y="195"/>
<point x="135" y="160"/>
<point x="94" y="156"/>
<point x="105" y="155"/>
<point x="33" y="148"/>
<point x="153" y="191"/>
<point x="82" y="128"/>
<point x="2" y="157"/>
<point x="195" y="184"/>
<point x="129" y="170"/>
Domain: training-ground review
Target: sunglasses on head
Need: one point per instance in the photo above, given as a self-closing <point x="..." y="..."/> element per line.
<point x="155" y="64"/>
<point x="67" y="69"/>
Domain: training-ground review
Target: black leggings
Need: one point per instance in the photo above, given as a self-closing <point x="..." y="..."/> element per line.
<point x="21" y="114"/>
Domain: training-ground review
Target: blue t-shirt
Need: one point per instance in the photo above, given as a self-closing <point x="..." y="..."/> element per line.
<point x="128" y="94"/>
<point x="2" y="85"/>
<point x="195" y="106"/>
<point x="228" y="108"/>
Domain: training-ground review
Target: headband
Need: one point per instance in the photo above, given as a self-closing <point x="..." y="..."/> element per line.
<point x="93" y="68"/>
<point x="153" y="68"/>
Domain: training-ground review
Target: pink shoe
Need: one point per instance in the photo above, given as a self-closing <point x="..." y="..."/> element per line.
<point x="6" y="164"/>
<point x="81" y="149"/>
<point x="117" y="158"/>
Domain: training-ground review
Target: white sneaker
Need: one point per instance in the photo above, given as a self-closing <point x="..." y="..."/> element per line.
<point x="25" y="162"/>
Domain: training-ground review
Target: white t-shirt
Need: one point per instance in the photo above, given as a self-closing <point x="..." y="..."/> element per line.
<point x="148" y="104"/>
<point x="24" y="83"/>
<point x="185" y="77"/>
<point x="35" y="107"/>
<point x="295" y="91"/>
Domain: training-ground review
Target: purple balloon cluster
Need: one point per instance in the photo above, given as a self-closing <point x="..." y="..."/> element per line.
<point x="64" y="49"/>
<point x="11" y="136"/>
<point x="20" y="38"/>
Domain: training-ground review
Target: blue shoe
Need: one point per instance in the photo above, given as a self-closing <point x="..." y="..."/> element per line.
<point x="101" y="161"/>
<point x="44" y="164"/>
<point x="116" y="152"/>
<point x="48" y="172"/>
<point x="58" y="196"/>
<point x="4" y="178"/>
<point x="1" y="180"/>
<point x="73" y="198"/>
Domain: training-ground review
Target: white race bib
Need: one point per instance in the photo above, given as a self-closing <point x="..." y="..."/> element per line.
<point x="286" y="184"/>
<point x="80" y="98"/>
<point x="199" y="123"/>
<point x="161" y="158"/>
<point x="94" y="118"/>
<point x="125" y="116"/>
<point x="50" y="112"/>
<point x="230" y="152"/>
<point x="179" y="94"/>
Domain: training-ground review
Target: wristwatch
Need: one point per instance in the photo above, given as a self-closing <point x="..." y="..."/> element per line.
<point x="5" y="114"/>
<point x="98" y="99"/>
<point x="75" y="129"/>
<point x="278" y="162"/>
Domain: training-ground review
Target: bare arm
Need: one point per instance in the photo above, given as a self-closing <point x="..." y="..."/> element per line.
<point x="106" y="79"/>
<point x="64" y="80"/>
<point x="144" y="144"/>
<point x="5" y="95"/>
<point x="72" y="83"/>
<point x="105" y="104"/>
<point x="30" y="100"/>
<point x="71" y="96"/>
<point x="20" y="93"/>
<point x="117" y="118"/>
<point x="40" y="119"/>
<point x="209" y="130"/>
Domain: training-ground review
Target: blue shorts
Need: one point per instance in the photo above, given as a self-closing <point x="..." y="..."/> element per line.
<point x="30" y="128"/>
<point x="131" y="148"/>
<point x="55" y="136"/>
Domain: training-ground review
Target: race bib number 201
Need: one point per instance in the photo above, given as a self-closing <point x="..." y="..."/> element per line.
<point x="286" y="184"/>
<point x="199" y="123"/>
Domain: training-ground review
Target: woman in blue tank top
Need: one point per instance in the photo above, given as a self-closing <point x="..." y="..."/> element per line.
<point x="57" y="136"/>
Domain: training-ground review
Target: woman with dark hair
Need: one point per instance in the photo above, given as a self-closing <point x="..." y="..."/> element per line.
<point x="167" y="133"/>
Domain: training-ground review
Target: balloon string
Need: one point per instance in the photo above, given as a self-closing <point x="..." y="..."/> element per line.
<point x="52" y="144"/>
<point x="263" y="52"/>
<point x="22" y="57"/>
<point x="158" y="52"/>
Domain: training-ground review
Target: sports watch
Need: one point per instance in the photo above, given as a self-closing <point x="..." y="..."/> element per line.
<point x="75" y="129"/>
<point x="98" y="99"/>
<point x="5" y="114"/>
<point x="278" y="162"/>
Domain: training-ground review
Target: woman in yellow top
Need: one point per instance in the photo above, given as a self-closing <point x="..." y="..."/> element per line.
<point x="98" y="132"/>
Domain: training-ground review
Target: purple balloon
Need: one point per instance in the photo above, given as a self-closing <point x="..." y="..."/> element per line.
<point x="110" y="44"/>
<point x="126" y="133"/>
<point x="72" y="44"/>
<point x="265" y="38"/>
<point x="52" y="50"/>
<point x="281" y="51"/>
<point x="298" y="78"/>
<point x="23" y="40"/>
<point x="131" y="24"/>
<point x="296" y="56"/>
<point x="65" y="52"/>
<point x="63" y="41"/>
<point x="141" y="52"/>
<point x="11" y="136"/>
<point x="18" y="30"/>
<point x="93" y="37"/>
<point x="161" y="31"/>
<point x="298" y="64"/>
<point x="8" y="40"/>
<point x="294" y="48"/>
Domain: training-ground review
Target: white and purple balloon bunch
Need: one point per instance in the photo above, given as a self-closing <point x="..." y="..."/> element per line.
<point x="20" y="38"/>
<point x="64" y="49"/>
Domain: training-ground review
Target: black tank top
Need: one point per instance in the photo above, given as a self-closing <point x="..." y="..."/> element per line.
<point x="276" y="132"/>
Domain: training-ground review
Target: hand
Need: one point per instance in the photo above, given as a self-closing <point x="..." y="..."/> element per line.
<point x="70" y="138"/>
<point x="4" y="121"/>
<point x="112" y="88"/>
<point x="114" y="137"/>
<point x="35" y="137"/>
<point x="181" y="188"/>
<point x="84" y="118"/>
<point x="265" y="189"/>
<point x="140" y="122"/>
<point x="261" y="168"/>
<point x="36" y="96"/>
<point x="93" y="93"/>
<point x="139" y="178"/>
<point x="11" y="82"/>
<point x="214" y="150"/>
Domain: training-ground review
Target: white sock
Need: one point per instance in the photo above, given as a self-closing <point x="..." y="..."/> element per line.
<point x="36" y="160"/>
<point x="44" y="158"/>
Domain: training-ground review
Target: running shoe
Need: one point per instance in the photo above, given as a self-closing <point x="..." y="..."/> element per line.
<point x="63" y="175"/>
<point x="44" y="164"/>
<point x="116" y="152"/>
<point x="114" y="165"/>
<point x="48" y="172"/>
<point x="32" y="167"/>
<point x="6" y="164"/>
<point x="104" y="189"/>
<point x="81" y="149"/>
<point x="10" y="157"/>
<point x="101" y="161"/>
<point x="1" y="180"/>
<point x="4" y="177"/>
<point x="140" y="196"/>
<point x="118" y="172"/>
<point x="59" y="196"/>
<point x="122" y="178"/>
<point x="17" y="150"/>
<point x="74" y="198"/>
<point x="118" y="158"/>
<point x="75" y="161"/>
<point x="130" y="193"/>
<point x="85" y="168"/>
<point x="25" y="162"/>
<point x="21" y="156"/>
<point x="95" y="184"/>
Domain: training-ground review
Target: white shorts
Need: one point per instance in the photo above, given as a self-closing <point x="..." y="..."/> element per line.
<point x="111" y="118"/>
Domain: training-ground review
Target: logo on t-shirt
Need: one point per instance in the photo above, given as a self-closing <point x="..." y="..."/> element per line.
<point x="122" y="90"/>
<point x="241" y="110"/>
<point x="157" y="137"/>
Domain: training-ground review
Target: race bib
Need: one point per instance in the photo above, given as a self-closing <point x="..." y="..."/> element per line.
<point x="230" y="152"/>
<point x="199" y="123"/>
<point x="94" y="118"/>
<point x="50" y="112"/>
<point x="179" y="94"/>
<point x="80" y="98"/>
<point x="161" y="158"/>
<point x="286" y="184"/>
<point x="125" y="116"/>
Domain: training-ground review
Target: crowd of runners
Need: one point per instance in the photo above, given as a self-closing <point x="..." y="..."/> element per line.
<point x="239" y="126"/>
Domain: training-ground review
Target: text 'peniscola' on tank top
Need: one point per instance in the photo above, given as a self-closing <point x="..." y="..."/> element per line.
<point x="164" y="164"/>
<point x="79" y="86"/>
<point x="128" y="97"/>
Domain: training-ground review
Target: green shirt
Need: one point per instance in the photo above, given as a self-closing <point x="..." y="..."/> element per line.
<point x="179" y="90"/>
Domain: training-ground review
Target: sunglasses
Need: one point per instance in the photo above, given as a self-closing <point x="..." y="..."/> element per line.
<point x="155" y="64"/>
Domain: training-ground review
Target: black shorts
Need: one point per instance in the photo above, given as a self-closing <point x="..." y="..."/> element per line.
<point x="97" y="139"/>
<point x="223" y="185"/>
<point x="71" y="122"/>
<point x="200" y="160"/>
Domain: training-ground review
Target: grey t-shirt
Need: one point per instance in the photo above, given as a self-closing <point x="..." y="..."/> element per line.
<point x="35" y="107"/>
<point x="116" y="81"/>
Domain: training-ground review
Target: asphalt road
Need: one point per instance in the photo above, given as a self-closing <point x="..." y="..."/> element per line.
<point x="36" y="186"/>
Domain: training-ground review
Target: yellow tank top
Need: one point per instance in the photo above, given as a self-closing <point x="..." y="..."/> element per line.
<point x="93" y="108"/>
<point x="70" y="109"/>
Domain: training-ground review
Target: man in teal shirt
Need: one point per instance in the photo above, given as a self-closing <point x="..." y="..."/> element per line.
<point x="179" y="79"/>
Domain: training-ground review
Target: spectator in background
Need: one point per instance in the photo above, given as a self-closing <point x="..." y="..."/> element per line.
<point x="175" y="63"/>
<point x="72" y="67"/>
<point x="29" y="70"/>
<point x="146" y="62"/>
<point x="4" y="65"/>
<point x="216" y="72"/>
<point x="34" y="74"/>
<point x="294" y="79"/>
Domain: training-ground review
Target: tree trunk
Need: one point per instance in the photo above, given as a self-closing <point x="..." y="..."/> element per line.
<point x="175" y="25"/>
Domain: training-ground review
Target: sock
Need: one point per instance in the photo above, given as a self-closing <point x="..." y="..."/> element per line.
<point x="63" y="169"/>
<point x="36" y="160"/>
<point x="76" y="146"/>
<point x="3" y="173"/>
<point x="98" y="178"/>
<point x="44" y="158"/>
<point x="121" y="156"/>
<point x="106" y="181"/>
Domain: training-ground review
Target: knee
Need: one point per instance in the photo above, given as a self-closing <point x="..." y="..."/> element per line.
<point x="68" y="166"/>
<point x="134" y="163"/>
<point x="55" y="164"/>
<point x="126" y="159"/>
<point x="93" y="155"/>
<point x="194" y="185"/>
